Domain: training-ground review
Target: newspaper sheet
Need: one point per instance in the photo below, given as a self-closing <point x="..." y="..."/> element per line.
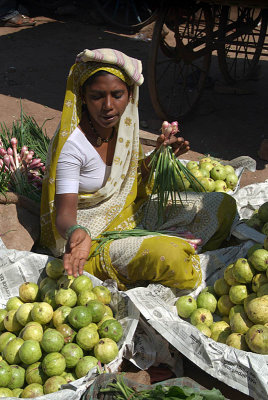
<point x="244" y="371"/>
<point x="17" y="267"/>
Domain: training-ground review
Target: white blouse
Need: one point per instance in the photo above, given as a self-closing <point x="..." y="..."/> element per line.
<point x="80" y="168"/>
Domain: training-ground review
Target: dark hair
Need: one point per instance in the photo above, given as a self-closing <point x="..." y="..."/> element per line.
<point x="92" y="78"/>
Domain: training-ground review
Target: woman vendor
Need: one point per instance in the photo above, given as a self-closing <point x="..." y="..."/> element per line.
<point x="97" y="181"/>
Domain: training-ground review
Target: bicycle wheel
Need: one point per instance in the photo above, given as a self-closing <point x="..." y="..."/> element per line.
<point x="242" y="34"/>
<point x="179" y="59"/>
<point x="127" y="14"/>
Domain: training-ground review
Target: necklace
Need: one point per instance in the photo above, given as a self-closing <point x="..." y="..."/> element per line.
<point x="100" y="140"/>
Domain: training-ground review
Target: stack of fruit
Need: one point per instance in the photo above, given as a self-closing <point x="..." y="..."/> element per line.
<point x="55" y="333"/>
<point x="214" y="176"/>
<point x="234" y="310"/>
<point x="259" y="219"/>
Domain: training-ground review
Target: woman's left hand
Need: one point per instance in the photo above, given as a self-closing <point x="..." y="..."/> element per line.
<point x="178" y="144"/>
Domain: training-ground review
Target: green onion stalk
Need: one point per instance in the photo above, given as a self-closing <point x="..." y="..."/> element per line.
<point x="169" y="177"/>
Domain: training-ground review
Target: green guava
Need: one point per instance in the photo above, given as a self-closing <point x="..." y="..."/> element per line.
<point x="48" y="286"/>
<point x="185" y="306"/>
<point x="84" y="297"/>
<point x="106" y="318"/>
<point x="80" y="316"/>
<point x="65" y="281"/>
<point x="11" y="351"/>
<point x="258" y="280"/>
<point x="66" y="297"/>
<point x="257" y="339"/>
<point x="45" y="281"/>
<point x="263" y="212"/>
<point x="85" y="365"/>
<point x="32" y="331"/>
<point x="218" y="173"/>
<point x="251" y="250"/>
<point x="206" y="160"/>
<point x="204" y="329"/>
<point x="106" y="350"/>
<point x="5" y="392"/>
<point x="210" y="289"/>
<point x="17" y="377"/>
<point x="29" y="292"/>
<point x="72" y="354"/>
<point x="183" y="184"/>
<point x="201" y="316"/>
<point x="103" y="294"/>
<point x="5" y="338"/>
<point x="247" y="300"/>
<point x="221" y="287"/>
<point x="229" y="169"/>
<point x="32" y="390"/>
<point x="5" y="374"/>
<point x="82" y="283"/>
<point x="264" y="229"/>
<point x="208" y="166"/>
<point x="259" y="259"/>
<point x="263" y="290"/>
<point x="207" y="300"/>
<point x="60" y="316"/>
<point x="3" y="313"/>
<point x="13" y="303"/>
<point x="53" y="364"/>
<point x="54" y="268"/>
<point x="231" y="180"/>
<point x="92" y="325"/>
<point x="69" y="376"/>
<point x="242" y="271"/>
<point x="240" y="323"/>
<point x="50" y="298"/>
<point x="30" y="352"/>
<point x="238" y="293"/>
<point x="97" y="310"/>
<point x="108" y="311"/>
<point x="53" y="384"/>
<point x="254" y="222"/>
<point x="52" y="341"/>
<point x="35" y="374"/>
<point x="87" y="338"/>
<point x="197" y="173"/>
<point x="224" y="305"/>
<point x="192" y="164"/>
<point x="67" y="332"/>
<point x="220" y="331"/>
<point x="17" y="392"/>
<point x="257" y="310"/>
<point x="228" y="275"/>
<point x="220" y="186"/>
<point x="23" y="313"/>
<point x="42" y="313"/>
<point x="238" y="341"/>
<point x="111" y="329"/>
<point x="238" y="308"/>
<point x="11" y="323"/>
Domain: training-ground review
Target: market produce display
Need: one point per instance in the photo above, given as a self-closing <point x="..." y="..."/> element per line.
<point x="259" y="219"/>
<point x="234" y="310"/>
<point x="54" y="333"/>
<point x="213" y="175"/>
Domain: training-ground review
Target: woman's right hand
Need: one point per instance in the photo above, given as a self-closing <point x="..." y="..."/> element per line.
<point x="77" y="252"/>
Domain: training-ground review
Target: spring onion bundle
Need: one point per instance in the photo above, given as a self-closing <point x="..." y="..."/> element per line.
<point x="169" y="176"/>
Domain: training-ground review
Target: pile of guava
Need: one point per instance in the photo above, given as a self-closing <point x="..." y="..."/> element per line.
<point x="234" y="310"/>
<point x="212" y="174"/>
<point x="259" y="219"/>
<point x="55" y="332"/>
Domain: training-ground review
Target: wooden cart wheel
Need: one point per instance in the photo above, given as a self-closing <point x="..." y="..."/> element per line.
<point x="241" y="37"/>
<point x="127" y="14"/>
<point x="179" y="59"/>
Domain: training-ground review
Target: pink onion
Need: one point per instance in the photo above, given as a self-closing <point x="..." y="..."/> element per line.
<point x="3" y="152"/>
<point x="23" y="149"/>
<point x="10" y="151"/>
<point x="14" y="143"/>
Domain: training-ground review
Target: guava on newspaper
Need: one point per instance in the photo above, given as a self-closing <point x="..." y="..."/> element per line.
<point x="207" y="300"/>
<point x="237" y="340"/>
<point x="32" y="390"/>
<point x="257" y="310"/>
<point x="185" y="306"/>
<point x="257" y="339"/>
<point x="53" y="384"/>
<point x="220" y="331"/>
<point x="201" y="316"/>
